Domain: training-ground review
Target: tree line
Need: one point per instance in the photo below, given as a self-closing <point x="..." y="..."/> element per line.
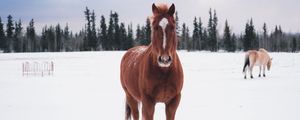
<point x="119" y="36"/>
<point x="209" y="39"/>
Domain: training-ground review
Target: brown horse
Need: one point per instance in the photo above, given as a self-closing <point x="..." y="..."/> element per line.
<point x="152" y="74"/>
<point x="259" y="58"/>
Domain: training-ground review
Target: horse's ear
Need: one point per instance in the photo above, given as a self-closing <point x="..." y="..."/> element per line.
<point x="154" y="9"/>
<point x="171" y="10"/>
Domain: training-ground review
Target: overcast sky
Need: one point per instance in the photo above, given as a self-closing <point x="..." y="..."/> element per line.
<point x="51" y="12"/>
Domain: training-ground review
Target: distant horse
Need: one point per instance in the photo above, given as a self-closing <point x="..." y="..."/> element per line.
<point x="259" y="58"/>
<point x="153" y="73"/>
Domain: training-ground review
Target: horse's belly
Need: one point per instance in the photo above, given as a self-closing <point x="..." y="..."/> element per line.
<point x="259" y="63"/>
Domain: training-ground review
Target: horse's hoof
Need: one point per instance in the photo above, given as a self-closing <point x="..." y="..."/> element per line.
<point x="251" y="77"/>
<point x="245" y="77"/>
<point x="259" y="75"/>
<point x="264" y="75"/>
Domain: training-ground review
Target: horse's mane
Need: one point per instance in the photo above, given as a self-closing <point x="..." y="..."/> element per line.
<point x="263" y="50"/>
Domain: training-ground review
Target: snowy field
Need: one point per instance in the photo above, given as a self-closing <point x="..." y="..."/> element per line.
<point x="86" y="86"/>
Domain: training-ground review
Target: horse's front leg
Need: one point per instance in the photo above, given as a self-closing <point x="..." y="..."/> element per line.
<point x="148" y="108"/>
<point x="264" y="70"/>
<point x="171" y="107"/>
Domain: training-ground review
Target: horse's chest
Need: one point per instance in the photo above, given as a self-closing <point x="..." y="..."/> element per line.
<point x="164" y="92"/>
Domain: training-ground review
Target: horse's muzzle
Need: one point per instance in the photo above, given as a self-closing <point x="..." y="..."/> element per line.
<point x="164" y="61"/>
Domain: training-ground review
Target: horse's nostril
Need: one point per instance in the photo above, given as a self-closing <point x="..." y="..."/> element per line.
<point x="169" y="59"/>
<point x="160" y="59"/>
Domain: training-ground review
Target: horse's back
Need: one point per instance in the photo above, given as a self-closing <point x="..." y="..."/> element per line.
<point x="132" y="55"/>
<point x="131" y="58"/>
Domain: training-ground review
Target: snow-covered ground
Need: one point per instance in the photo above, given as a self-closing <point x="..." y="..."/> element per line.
<point x="86" y="86"/>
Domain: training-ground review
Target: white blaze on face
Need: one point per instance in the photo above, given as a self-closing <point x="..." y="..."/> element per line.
<point x="163" y="23"/>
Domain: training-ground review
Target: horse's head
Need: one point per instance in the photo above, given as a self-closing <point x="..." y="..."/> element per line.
<point x="163" y="36"/>
<point x="269" y="63"/>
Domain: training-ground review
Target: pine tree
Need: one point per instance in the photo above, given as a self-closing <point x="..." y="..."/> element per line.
<point x="18" y="41"/>
<point x="103" y="33"/>
<point x="294" y="45"/>
<point x="178" y="31"/>
<point x="2" y="36"/>
<point x="233" y="43"/>
<point x="298" y="42"/>
<point x="116" y="43"/>
<point x="117" y="34"/>
<point x="31" y="37"/>
<point x="240" y="42"/>
<point x="282" y="41"/>
<point x="138" y="34"/>
<point x="247" y="40"/>
<point x="58" y="38"/>
<point x="9" y="34"/>
<point x="67" y="39"/>
<point x="204" y="40"/>
<point x="44" y="43"/>
<point x="79" y="40"/>
<point x="147" y="33"/>
<point x="143" y="35"/>
<point x="227" y="37"/>
<point x="195" y="38"/>
<point x="212" y="31"/>
<point x="276" y="37"/>
<point x="110" y="33"/>
<point x="250" y="39"/>
<point x="188" y="39"/>
<point x="215" y="32"/>
<point x="123" y="36"/>
<point x="264" y="41"/>
<point x="275" y="41"/>
<point x="255" y="43"/>
<point x="88" y="36"/>
<point x="51" y="39"/>
<point x="129" y="40"/>
<point x="93" y="38"/>
<point x="183" y="41"/>
<point x="200" y="30"/>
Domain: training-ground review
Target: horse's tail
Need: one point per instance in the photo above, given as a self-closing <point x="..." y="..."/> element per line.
<point x="247" y="62"/>
<point x="127" y="112"/>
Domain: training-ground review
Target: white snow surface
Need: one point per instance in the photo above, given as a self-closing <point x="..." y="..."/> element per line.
<point x="86" y="86"/>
